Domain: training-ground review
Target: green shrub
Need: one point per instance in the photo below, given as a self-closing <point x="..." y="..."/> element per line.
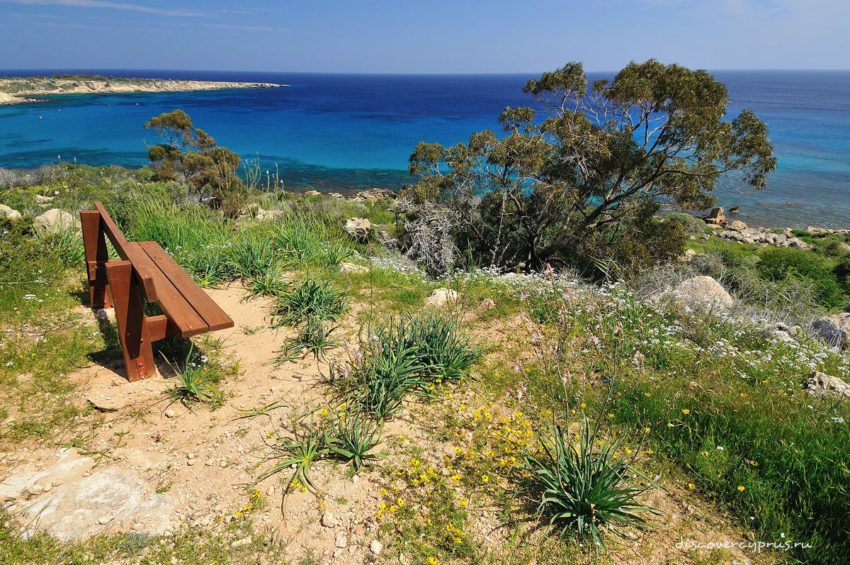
<point x="691" y="224"/>
<point x="779" y="263"/>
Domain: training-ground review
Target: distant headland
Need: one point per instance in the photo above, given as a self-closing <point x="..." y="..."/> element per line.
<point x="18" y="90"/>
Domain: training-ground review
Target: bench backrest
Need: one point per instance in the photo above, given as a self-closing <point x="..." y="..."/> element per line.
<point x="163" y="281"/>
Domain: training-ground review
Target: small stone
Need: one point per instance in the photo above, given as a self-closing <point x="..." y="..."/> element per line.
<point x="190" y="462"/>
<point x="35" y="489"/>
<point x="486" y="304"/>
<point x="241" y="542"/>
<point x="341" y="540"/>
<point x="329" y="521"/>
<point x="103" y="520"/>
<point x="223" y="464"/>
<point x="312" y="193"/>
<point x="376" y="547"/>
<point x="170" y="413"/>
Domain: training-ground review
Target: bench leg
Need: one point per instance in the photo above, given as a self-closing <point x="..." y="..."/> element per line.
<point x="133" y="328"/>
<point x="94" y="242"/>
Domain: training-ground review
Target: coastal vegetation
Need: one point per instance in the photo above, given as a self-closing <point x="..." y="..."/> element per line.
<point x="583" y="185"/>
<point x="541" y="391"/>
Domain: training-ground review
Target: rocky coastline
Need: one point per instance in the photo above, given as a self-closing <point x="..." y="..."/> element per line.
<point x="21" y="90"/>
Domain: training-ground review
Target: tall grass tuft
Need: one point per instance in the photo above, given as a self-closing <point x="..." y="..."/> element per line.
<point x="407" y="356"/>
<point x="309" y="300"/>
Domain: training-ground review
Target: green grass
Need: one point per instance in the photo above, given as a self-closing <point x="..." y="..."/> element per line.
<point x="723" y="401"/>
<point x="309" y="300"/>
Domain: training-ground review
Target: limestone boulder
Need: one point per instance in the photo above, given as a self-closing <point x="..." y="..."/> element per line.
<point x="353" y="268"/>
<point x="440" y="297"/>
<point x="55" y="219"/>
<point x="702" y="291"/>
<point x="6" y="212"/>
<point x="823" y="385"/>
<point x="716" y="217"/>
<point x="358" y="227"/>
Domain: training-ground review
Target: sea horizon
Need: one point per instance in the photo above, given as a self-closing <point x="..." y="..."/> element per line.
<point x="348" y="131"/>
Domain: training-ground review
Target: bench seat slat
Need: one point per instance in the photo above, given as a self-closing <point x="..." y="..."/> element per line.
<point x="178" y="309"/>
<point x="206" y="308"/>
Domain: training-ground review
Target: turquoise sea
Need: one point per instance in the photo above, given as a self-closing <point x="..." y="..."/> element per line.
<point x="342" y="132"/>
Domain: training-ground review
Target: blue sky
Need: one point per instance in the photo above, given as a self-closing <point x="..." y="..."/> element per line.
<point x="431" y="36"/>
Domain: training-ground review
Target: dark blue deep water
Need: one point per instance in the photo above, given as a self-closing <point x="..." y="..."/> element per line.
<point x="339" y="132"/>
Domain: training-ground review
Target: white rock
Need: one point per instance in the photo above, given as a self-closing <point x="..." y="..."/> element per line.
<point x="6" y="212"/>
<point x="169" y="413"/>
<point x="43" y="199"/>
<point x="329" y="520"/>
<point x="358" y="227"/>
<point x="312" y="193"/>
<point x="353" y="268"/>
<point x="704" y="291"/>
<point x="55" y="219"/>
<point x="341" y="540"/>
<point x="241" y="542"/>
<point x="376" y="547"/>
<point x="440" y="297"/>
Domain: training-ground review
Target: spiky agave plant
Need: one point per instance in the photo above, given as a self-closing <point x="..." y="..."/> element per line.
<point x="299" y="453"/>
<point x="351" y="438"/>
<point x="196" y="382"/>
<point x="314" y="337"/>
<point x="581" y="488"/>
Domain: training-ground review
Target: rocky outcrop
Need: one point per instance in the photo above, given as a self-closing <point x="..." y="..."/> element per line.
<point x="701" y="291"/>
<point x="813" y="229"/>
<point x="6" y="212"/>
<point x="823" y="385"/>
<point x="440" y="297"/>
<point x="268" y="214"/>
<point x="73" y="499"/>
<point x="358" y="227"/>
<point x="352" y="268"/>
<point x="372" y="194"/>
<point x="834" y="330"/>
<point x="742" y="233"/>
<point x="716" y="217"/>
<point x="55" y="219"/>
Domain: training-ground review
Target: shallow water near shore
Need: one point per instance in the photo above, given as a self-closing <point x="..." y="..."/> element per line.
<point x="344" y="132"/>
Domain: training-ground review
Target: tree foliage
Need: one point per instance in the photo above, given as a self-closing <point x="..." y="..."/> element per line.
<point x="191" y="153"/>
<point x="586" y="180"/>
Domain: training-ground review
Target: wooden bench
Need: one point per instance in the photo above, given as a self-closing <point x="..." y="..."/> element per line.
<point x="145" y="272"/>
